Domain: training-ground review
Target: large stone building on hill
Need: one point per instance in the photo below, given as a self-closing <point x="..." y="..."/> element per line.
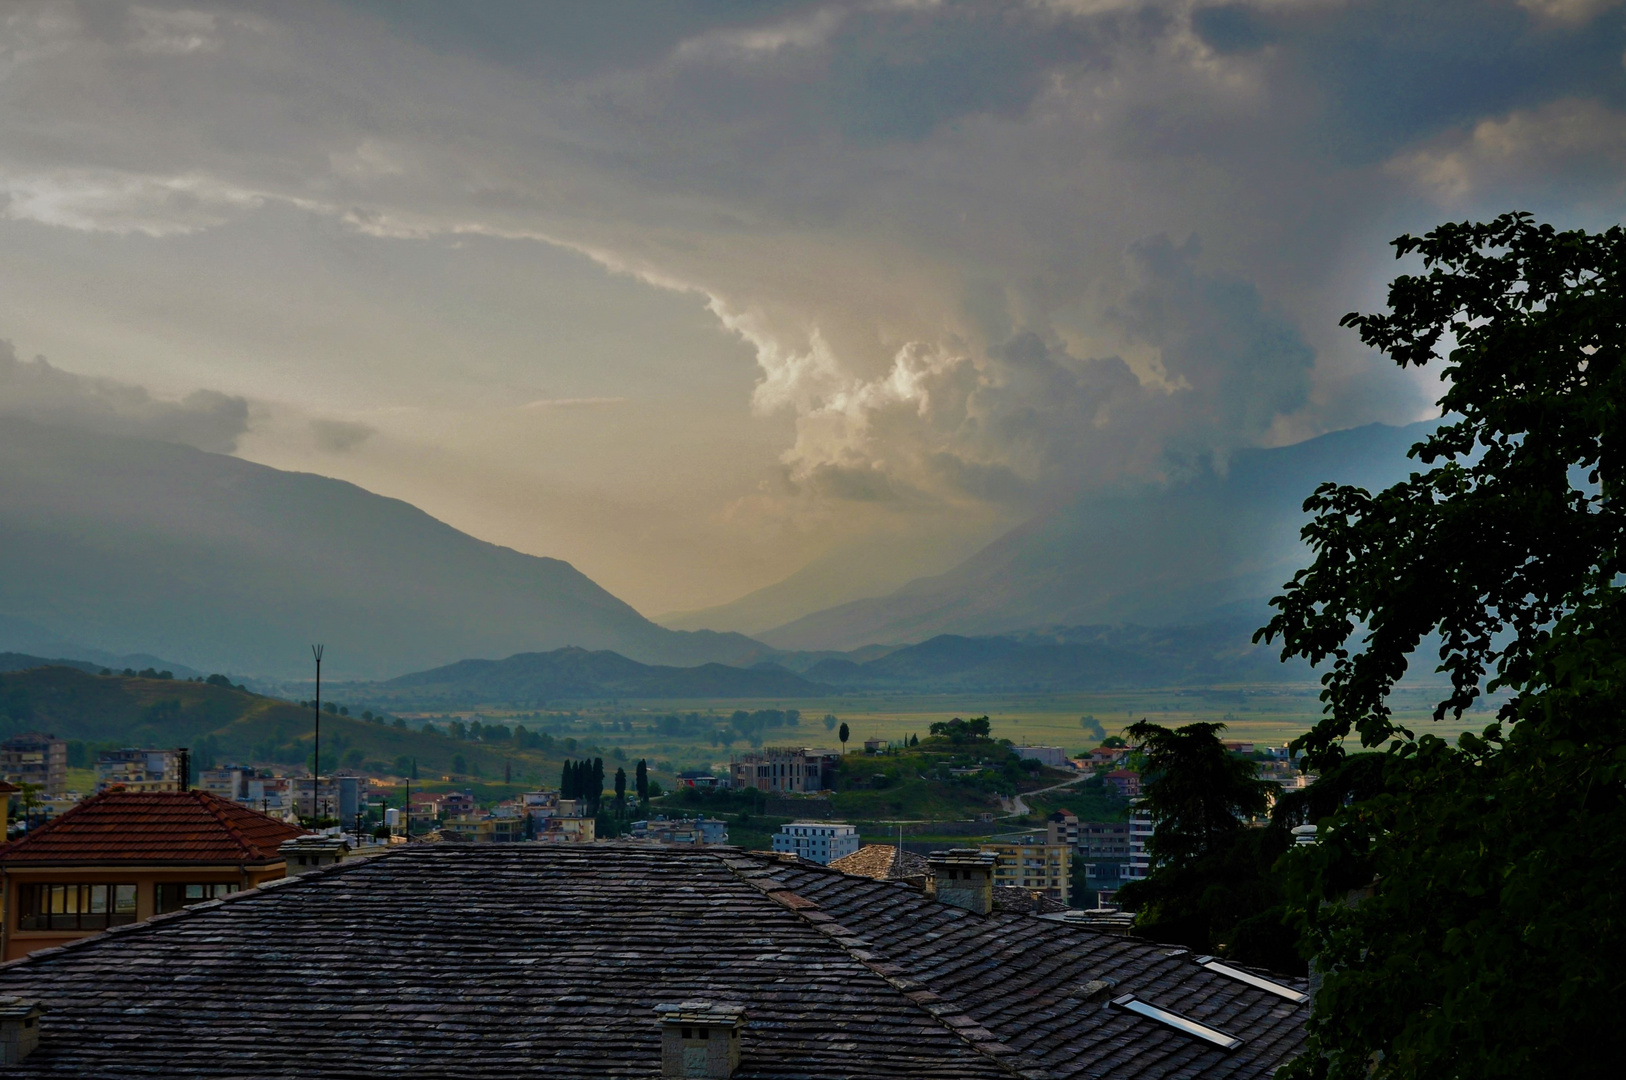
<point x="601" y="960"/>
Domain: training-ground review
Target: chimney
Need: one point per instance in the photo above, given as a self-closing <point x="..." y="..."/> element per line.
<point x="963" y="878"/>
<point x="700" y="1038"/>
<point x="19" y="1028"/>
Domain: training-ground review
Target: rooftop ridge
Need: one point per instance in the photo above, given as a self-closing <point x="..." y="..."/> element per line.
<point x="209" y="802"/>
<point x="966" y="1028"/>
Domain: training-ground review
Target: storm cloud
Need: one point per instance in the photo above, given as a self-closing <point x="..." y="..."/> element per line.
<point x="921" y="262"/>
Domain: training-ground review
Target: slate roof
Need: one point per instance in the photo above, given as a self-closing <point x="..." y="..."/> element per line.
<point x="129" y="827"/>
<point x="1025" y="901"/>
<point x="1023" y="979"/>
<point x="452" y="960"/>
<point x="876" y="861"/>
<point x="501" y="960"/>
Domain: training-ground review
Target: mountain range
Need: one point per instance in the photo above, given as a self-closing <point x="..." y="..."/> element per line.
<point x="113" y="548"/>
<point x="1210" y="547"/>
<point x="123" y="545"/>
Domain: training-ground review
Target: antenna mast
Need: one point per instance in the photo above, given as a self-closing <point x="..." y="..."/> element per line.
<point x="316" y="707"/>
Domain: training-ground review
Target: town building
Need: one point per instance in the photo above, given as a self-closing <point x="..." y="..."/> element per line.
<point x="7" y="790"/>
<point x="1033" y="865"/>
<point x="330" y="796"/>
<point x="140" y="770"/>
<point x="1062" y="828"/>
<point x="797" y="770"/>
<point x="1125" y="782"/>
<point x="701" y="780"/>
<point x="822" y="842"/>
<point x="124" y="856"/>
<point x="478" y="828"/>
<point x="570" y="829"/>
<point x="36" y="759"/>
<point x="1140" y="831"/>
<point x="1053" y="756"/>
<point x="790" y="969"/>
<point x="700" y="830"/>
<point x="1101" y="841"/>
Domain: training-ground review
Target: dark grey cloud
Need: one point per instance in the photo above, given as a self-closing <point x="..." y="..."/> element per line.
<point x="340" y="436"/>
<point x="35" y="390"/>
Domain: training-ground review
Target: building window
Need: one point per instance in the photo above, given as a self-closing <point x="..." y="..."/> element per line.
<point x="74" y="907"/>
<point x="176" y="897"/>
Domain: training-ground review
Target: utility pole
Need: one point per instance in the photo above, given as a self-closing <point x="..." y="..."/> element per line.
<point x="316" y="707"/>
<point x="408" y="809"/>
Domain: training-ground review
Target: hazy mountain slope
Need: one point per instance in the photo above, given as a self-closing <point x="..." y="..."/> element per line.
<point x="129" y="545"/>
<point x="874" y="567"/>
<point x="579" y="673"/>
<point x="1070" y="658"/>
<point x="1182" y="554"/>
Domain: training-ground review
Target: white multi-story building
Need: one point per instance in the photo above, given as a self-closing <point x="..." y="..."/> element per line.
<point x="817" y="841"/>
<point x="1140" y="831"/>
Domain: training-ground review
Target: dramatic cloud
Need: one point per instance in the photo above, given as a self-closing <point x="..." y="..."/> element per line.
<point x="35" y="390"/>
<point x="981" y="256"/>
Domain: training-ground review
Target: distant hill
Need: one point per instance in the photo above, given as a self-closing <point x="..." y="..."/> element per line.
<point x="571" y="673"/>
<point x="221" y="724"/>
<point x="130" y="545"/>
<point x="1069" y="658"/>
<point x="11" y="661"/>
<point x="1212" y="547"/>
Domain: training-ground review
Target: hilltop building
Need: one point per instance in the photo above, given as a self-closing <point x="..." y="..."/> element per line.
<point x="796" y="770"/>
<point x="124" y="856"/>
<point x="631" y="960"/>
<point x="1126" y="782"/>
<point x="822" y="842"/>
<point x="37" y="759"/>
<point x="1053" y="756"/>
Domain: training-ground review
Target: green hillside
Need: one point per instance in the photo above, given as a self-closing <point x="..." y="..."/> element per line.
<point x="223" y="723"/>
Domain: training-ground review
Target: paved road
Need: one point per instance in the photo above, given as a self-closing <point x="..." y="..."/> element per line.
<point x="1015" y="807"/>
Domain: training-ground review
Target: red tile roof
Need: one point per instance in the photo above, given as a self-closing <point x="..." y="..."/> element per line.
<point x="153" y="827"/>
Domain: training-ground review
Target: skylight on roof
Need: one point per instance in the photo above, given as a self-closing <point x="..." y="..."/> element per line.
<point x="1298" y="997"/>
<point x="1180" y="1023"/>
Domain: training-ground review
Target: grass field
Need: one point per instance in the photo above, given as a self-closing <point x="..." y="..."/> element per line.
<point x="1269" y="714"/>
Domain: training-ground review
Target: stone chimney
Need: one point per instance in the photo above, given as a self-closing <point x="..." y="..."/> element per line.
<point x="700" y="1038"/>
<point x="963" y="878"/>
<point x="19" y="1028"/>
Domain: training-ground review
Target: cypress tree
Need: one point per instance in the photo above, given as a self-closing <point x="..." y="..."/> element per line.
<point x="643" y="781"/>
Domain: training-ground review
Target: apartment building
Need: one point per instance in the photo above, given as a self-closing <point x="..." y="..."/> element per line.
<point x="1140" y="831"/>
<point x="822" y="842"/>
<point x="1033" y="864"/>
<point x="37" y="759"/>
<point x="139" y="770"/>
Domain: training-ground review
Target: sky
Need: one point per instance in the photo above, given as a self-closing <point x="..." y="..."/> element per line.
<point x="698" y="295"/>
